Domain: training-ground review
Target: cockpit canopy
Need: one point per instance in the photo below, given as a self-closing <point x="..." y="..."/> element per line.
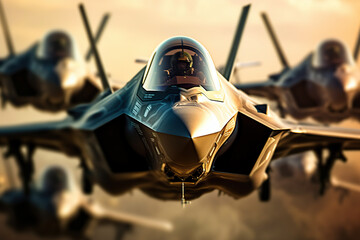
<point x="57" y="45"/>
<point x="181" y="62"/>
<point x="331" y="53"/>
<point x="54" y="179"/>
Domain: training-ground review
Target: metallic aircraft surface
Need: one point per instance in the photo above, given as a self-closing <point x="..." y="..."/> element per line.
<point x="324" y="86"/>
<point x="176" y="131"/>
<point x="56" y="208"/>
<point x="51" y="75"/>
<point x="303" y="170"/>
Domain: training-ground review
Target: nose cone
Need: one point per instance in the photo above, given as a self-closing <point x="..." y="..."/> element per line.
<point x="183" y="154"/>
<point x="342" y="88"/>
<point x="53" y="91"/>
<point x="189" y="121"/>
<point x="68" y="73"/>
<point x="338" y="96"/>
<point x="187" y="135"/>
<point x="65" y="204"/>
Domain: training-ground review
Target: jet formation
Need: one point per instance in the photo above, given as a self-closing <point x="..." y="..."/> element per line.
<point x="325" y="86"/>
<point x="178" y="130"/>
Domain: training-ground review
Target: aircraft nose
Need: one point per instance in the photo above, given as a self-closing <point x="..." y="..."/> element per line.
<point x="54" y="93"/>
<point x="348" y="78"/>
<point x="67" y="72"/>
<point x="188" y="120"/>
<point x="67" y="79"/>
<point x="187" y="135"/>
<point x="343" y="89"/>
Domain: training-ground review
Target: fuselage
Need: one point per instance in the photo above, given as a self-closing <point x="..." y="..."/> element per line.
<point x="46" y="214"/>
<point x="324" y="86"/>
<point x="326" y="95"/>
<point x="53" y="207"/>
<point x="179" y="137"/>
<point x="49" y="83"/>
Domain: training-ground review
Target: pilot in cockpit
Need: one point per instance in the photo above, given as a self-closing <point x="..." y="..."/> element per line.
<point x="182" y="66"/>
<point x="58" y="46"/>
<point x="331" y="54"/>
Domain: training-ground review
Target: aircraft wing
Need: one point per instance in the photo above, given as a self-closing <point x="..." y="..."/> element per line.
<point x="2" y="61"/>
<point x="49" y="135"/>
<point x="88" y="92"/>
<point x="107" y="215"/>
<point x="266" y="89"/>
<point x="301" y="138"/>
<point x="345" y="185"/>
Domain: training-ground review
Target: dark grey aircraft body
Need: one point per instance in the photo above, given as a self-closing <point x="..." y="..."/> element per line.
<point x="178" y="137"/>
<point x="55" y="208"/>
<point x="177" y="130"/>
<point x="51" y="75"/>
<point x="47" y="84"/>
<point x="301" y="170"/>
<point x="324" y="86"/>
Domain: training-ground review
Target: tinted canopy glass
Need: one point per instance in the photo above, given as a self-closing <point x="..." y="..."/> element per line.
<point x="181" y="62"/>
<point x="331" y="53"/>
<point x="54" y="179"/>
<point x="57" y="45"/>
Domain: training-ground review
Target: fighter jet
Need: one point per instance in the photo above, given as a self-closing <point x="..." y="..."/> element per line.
<point x="56" y="208"/>
<point x="325" y="86"/>
<point x="177" y="130"/>
<point x="303" y="170"/>
<point x="51" y="75"/>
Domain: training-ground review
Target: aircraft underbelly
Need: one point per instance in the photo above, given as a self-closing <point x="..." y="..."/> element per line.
<point x="142" y="160"/>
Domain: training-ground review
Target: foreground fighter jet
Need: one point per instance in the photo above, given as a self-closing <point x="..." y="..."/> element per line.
<point x="176" y="131"/>
<point x="51" y="75"/>
<point x="325" y="86"/>
<point x="56" y="208"/>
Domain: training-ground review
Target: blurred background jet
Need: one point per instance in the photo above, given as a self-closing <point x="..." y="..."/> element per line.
<point x="55" y="207"/>
<point x="324" y="86"/>
<point x="51" y="75"/>
<point x="303" y="170"/>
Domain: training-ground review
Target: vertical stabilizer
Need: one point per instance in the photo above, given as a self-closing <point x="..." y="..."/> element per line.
<point x="100" y="68"/>
<point x="5" y="27"/>
<point x="98" y="34"/>
<point x="236" y="42"/>
<point x="275" y="41"/>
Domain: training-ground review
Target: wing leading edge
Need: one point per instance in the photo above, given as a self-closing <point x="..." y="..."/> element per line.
<point x="301" y="138"/>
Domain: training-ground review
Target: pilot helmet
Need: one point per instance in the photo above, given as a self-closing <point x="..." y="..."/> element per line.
<point x="54" y="180"/>
<point x="181" y="61"/>
<point x="56" y="45"/>
<point x="331" y="53"/>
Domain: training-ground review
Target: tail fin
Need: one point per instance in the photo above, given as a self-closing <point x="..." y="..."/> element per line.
<point x="275" y="41"/>
<point x="357" y="47"/>
<point x="5" y="27"/>
<point x="98" y="34"/>
<point x="104" y="81"/>
<point x="235" y="45"/>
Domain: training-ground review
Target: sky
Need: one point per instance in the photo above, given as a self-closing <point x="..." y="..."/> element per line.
<point x="137" y="27"/>
<point x="134" y="30"/>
